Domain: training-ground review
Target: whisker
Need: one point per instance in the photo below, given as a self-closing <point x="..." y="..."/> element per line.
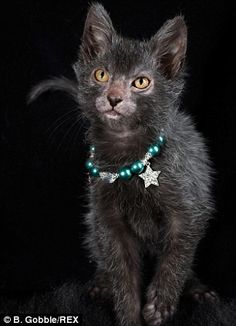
<point x="60" y="118"/>
<point x="56" y="139"/>
<point x="66" y="134"/>
<point x="75" y="144"/>
<point x="59" y="125"/>
<point x="75" y="136"/>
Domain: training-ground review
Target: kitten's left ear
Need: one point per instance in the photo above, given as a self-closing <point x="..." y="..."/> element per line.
<point x="98" y="33"/>
<point x="169" y="46"/>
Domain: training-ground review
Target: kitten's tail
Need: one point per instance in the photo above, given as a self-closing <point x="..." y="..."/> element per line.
<point x="54" y="84"/>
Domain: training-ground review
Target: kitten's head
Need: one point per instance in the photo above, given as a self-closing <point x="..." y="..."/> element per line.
<point x="128" y="82"/>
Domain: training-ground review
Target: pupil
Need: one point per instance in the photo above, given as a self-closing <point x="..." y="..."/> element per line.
<point x="141" y="81"/>
<point x="102" y="74"/>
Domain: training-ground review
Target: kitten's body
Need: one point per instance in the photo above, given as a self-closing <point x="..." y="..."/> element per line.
<point x="166" y="222"/>
<point x="126" y="220"/>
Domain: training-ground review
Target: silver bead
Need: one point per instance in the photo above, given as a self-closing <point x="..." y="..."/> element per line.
<point x="146" y="158"/>
<point x="108" y="176"/>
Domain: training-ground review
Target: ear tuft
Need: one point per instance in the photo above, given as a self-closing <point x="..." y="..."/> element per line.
<point x="98" y="32"/>
<point x="169" y="46"/>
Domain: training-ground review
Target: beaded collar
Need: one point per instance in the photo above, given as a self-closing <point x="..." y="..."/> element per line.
<point x="141" y="167"/>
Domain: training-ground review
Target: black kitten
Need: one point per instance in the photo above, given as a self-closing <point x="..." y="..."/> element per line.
<point x="130" y="92"/>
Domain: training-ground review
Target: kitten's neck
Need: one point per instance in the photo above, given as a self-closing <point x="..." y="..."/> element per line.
<point x="115" y="148"/>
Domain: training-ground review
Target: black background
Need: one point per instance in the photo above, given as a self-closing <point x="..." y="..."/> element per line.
<point x="43" y="181"/>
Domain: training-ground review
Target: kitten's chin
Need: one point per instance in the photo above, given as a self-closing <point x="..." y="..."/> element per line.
<point x="119" y="125"/>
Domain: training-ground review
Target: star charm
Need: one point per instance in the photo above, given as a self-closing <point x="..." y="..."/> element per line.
<point x="150" y="177"/>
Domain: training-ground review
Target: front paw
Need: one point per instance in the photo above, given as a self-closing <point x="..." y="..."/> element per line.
<point x="158" y="309"/>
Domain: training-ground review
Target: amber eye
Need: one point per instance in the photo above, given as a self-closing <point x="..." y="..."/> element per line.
<point x="101" y="75"/>
<point x="141" y="82"/>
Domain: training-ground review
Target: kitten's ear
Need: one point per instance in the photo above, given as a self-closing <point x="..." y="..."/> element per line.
<point x="98" y="33"/>
<point x="169" y="46"/>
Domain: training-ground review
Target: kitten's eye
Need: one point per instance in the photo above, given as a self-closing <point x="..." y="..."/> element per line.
<point x="101" y="75"/>
<point x="141" y="82"/>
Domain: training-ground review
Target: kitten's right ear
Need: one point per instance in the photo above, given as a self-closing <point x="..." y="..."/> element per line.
<point x="98" y="33"/>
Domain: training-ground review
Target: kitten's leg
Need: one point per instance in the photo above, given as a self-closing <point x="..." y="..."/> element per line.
<point x="123" y="268"/>
<point x="173" y="267"/>
<point x="118" y="265"/>
<point x="100" y="285"/>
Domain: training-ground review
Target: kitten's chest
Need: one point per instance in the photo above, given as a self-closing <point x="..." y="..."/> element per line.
<point x="138" y="207"/>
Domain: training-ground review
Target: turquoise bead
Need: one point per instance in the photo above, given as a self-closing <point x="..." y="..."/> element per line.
<point x="125" y="173"/>
<point x="137" y="167"/>
<point x="92" y="149"/>
<point x="154" y="150"/>
<point x="161" y="140"/>
<point x="89" y="165"/>
<point x="94" y="172"/>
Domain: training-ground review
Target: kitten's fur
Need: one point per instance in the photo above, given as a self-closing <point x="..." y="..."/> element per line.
<point x="127" y="221"/>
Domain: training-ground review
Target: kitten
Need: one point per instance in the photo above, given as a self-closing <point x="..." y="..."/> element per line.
<point x="130" y="92"/>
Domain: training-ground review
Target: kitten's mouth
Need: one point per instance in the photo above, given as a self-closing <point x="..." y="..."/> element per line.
<point x="112" y="114"/>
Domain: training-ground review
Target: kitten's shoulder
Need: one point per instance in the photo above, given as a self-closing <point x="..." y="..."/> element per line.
<point x="185" y="156"/>
<point x="183" y="135"/>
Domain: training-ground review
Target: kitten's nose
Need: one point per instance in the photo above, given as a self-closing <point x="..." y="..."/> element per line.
<point x="114" y="100"/>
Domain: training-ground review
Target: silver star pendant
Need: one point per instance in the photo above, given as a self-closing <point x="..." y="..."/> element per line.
<point x="150" y="177"/>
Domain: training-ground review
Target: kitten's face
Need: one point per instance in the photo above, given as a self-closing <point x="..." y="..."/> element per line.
<point x="121" y="86"/>
<point x="119" y="92"/>
<point x="124" y="82"/>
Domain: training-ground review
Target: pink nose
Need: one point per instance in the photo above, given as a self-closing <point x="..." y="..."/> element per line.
<point x="113" y="100"/>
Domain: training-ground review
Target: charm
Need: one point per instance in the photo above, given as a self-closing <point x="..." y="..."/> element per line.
<point x="109" y="177"/>
<point x="150" y="177"/>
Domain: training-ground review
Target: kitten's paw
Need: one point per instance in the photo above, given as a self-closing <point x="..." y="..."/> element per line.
<point x="98" y="292"/>
<point x="199" y="292"/>
<point x="202" y="294"/>
<point x="156" y="313"/>
<point x="99" y="287"/>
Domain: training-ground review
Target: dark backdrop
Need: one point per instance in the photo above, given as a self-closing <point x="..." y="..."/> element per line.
<point x="43" y="181"/>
